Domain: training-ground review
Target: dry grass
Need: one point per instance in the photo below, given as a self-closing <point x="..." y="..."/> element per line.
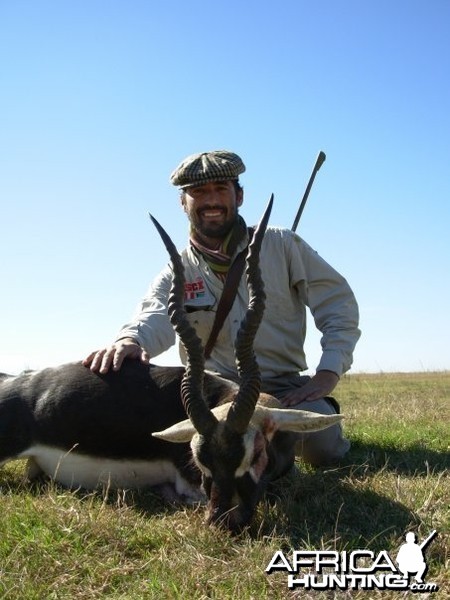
<point x="59" y="544"/>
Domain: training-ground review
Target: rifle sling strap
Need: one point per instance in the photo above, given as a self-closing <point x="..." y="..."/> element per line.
<point x="228" y="295"/>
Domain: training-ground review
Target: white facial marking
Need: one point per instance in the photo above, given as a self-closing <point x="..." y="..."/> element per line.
<point x="194" y="445"/>
<point x="249" y="443"/>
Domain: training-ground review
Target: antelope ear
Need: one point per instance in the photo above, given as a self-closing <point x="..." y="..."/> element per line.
<point x="300" y="421"/>
<point x="180" y="432"/>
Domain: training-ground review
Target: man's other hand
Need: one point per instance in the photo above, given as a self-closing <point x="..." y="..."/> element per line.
<point x="319" y="386"/>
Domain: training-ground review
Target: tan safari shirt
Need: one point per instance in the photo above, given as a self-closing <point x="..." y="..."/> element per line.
<point x="295" y="277"/>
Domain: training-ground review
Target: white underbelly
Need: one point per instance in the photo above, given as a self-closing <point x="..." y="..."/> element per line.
<point x="77" y="470"/>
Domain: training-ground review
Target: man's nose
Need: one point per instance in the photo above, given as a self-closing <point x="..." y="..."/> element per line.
<point x="212" y="197"/>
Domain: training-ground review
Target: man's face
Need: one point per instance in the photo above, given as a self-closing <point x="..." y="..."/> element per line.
<point x="212" y="208"/>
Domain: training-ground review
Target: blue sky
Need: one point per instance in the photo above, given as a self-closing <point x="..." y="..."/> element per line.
<point x="100" y="100"/>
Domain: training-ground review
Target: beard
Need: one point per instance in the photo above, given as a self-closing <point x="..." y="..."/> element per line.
<point x="209" y="229"/>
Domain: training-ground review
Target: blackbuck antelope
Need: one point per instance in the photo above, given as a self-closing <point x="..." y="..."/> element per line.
<point x="86" y="430"/>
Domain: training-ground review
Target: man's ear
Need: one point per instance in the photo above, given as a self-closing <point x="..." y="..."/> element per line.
<point x="240" y="197"/>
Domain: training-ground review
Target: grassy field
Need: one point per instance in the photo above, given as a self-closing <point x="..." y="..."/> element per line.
<point x="60" y="544"/>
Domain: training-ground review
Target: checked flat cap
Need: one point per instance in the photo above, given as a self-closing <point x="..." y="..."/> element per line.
<point x="198" y="169"/>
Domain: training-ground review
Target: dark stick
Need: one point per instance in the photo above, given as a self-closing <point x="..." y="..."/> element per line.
<point x="319" y="162"/>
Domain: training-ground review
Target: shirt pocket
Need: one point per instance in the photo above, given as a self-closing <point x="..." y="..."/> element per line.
<point x="202" y="321"/>
<point x="197" y="296"/>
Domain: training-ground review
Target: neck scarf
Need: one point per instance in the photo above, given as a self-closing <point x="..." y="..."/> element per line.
<point x="220" y="259"/>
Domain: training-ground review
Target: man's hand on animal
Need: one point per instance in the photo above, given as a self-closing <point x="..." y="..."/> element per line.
<point x="102" y="360"/>
<point x="319" y="386"/>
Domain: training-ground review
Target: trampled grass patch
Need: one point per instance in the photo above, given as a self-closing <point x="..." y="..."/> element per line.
<point x="60" y="544"/>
